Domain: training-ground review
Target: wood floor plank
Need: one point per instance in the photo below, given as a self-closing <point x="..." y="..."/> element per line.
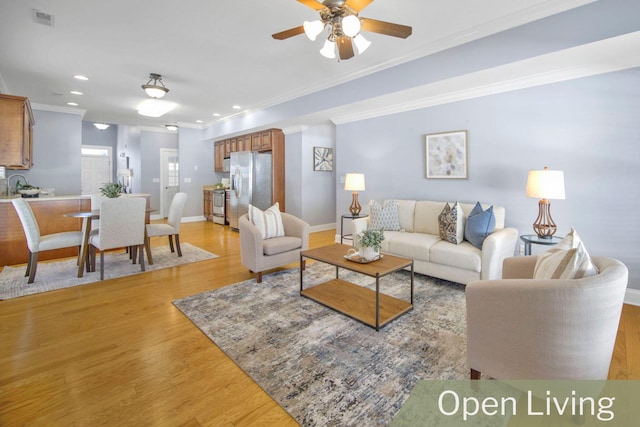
<point x="119" y="353"/>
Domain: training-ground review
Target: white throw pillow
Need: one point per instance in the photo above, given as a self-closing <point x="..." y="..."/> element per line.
<point x="569" y="259"/>
<point x="268" y="222"/>
<point x="384" y="217"/>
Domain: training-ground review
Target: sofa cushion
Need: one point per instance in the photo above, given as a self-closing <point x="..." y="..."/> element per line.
<point x="426" y="217"/>
<point x="569" y="259"/>
<point x="410" y="245"/>
<point x="451" y="224"/>
<point x="268" y="222"/>
<point x="464" y="255"/>
<point x="384" y="217"/>
<point x="278" y="245"/>
<point x="406" y="213"/>
<point x="479" y="225"/>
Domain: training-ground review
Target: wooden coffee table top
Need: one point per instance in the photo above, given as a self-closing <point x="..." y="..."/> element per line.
<point x="335" y="255"/>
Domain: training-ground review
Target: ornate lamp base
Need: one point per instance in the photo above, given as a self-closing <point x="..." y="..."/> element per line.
<point x="355" y="207"/>
<point x="544" y="225"/>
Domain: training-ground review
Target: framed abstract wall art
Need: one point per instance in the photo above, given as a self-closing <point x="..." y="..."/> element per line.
<point x="446" y="155"/>
<point x="322" y="159"/>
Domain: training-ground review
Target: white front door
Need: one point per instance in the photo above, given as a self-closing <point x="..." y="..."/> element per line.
<point x="169" y="178"/>
<point x="96" y="169"/>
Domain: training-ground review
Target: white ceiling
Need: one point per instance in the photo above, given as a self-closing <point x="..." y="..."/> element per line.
<point x="213" y="54"/>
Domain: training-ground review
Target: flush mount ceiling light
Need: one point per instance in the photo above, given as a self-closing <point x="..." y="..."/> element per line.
<point x="154" y="87"/>
<point x="344" y="27"/>
<point x="171" y="128"/>
<point x="101" y="126"/>
<point x="155" y="107"/>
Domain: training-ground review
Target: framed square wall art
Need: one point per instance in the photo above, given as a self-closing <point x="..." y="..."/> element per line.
<point x="446" y="155"/>
<point x="322" y="159"/>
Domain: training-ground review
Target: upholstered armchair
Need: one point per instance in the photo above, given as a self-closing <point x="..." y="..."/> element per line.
<point x="259" y="255"/>
<point x="524" y="328"/>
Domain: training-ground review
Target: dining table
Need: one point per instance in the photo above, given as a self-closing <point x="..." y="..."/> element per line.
<point x="87" y="218"/>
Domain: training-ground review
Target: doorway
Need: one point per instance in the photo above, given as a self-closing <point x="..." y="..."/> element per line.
<point x="96" y="168"/>
<point x="169" y="178"/>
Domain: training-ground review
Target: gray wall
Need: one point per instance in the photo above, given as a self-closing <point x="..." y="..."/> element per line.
<point x="57" y="138"/>
<point x="586" y="127"/>
<point x="196" y="166"/>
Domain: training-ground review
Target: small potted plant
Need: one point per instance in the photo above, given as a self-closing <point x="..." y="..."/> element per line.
<point x="370" y="242"/>
<point x="111" y="190"/>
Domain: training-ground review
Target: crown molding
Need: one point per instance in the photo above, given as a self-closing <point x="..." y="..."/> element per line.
<point x="59" y="109"/>
<point x="294" y="129"/>
<point x="613" y="54"/>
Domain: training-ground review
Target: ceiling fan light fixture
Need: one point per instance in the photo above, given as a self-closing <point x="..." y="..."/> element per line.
<point x="154" y="87"/>
<point x="361" y="43"/>
<point x="313" y="28"/>
<point x="329" y="49"/>
<point x="350" y="25"/>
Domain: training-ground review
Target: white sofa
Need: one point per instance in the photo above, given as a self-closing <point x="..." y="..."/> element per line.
<point x="419" y="239"/>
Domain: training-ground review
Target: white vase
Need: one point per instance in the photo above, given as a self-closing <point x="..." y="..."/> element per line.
<point x="368" y="252"/>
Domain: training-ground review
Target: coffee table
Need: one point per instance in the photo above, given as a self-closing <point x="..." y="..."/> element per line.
<point x="372" y="308"/>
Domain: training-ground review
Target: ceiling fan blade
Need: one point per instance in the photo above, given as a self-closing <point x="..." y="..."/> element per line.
<point x="288" y="33"/>
<point x="345" y="47"/>
<point x="386" y="28"/>
<point x="358" y="5"/>
<point x="313" y="4"/>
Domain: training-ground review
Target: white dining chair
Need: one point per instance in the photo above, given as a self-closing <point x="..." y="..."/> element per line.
<point x="172" y="227"/>
<point x="38" y="243"/>
<point x="122" y="225"/>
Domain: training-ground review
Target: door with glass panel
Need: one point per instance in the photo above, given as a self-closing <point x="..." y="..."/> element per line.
<point x="96" y="168"/>
<point x="169" y="178"/>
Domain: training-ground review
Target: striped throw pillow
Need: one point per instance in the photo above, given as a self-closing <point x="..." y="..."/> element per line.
<point x="268" y="222"/>
<point x="569" y="259"/>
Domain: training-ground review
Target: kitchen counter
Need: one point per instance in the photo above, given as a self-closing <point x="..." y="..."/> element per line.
<point x="7" y="199"/>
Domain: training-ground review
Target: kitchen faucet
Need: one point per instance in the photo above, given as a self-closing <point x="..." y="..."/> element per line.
<point x="26" y="181"/>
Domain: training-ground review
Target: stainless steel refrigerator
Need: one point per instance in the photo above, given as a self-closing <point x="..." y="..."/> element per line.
<point x="250" y="174"/>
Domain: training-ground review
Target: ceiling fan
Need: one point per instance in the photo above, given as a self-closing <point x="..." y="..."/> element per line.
<point x="345" y="26"/>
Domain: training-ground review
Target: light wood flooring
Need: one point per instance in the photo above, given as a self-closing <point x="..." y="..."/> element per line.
<point x="118" y="353"/>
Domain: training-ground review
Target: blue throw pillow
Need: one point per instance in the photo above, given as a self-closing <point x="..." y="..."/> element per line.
<point x="479" y="225"/>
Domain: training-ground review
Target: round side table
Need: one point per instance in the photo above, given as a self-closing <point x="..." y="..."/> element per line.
<point x="534" y="239"/>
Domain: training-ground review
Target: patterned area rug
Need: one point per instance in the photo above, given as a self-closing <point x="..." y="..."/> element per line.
<point x="62" y="274"/>
<point x="324" y="368"/>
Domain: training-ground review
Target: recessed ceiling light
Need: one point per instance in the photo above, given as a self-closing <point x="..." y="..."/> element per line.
<point x="73" y="104"/>
<point x="80" y="77"/>
<point x="216" y="114"/>
<point x="236" y="107"/>
<point x="75" y="92"/>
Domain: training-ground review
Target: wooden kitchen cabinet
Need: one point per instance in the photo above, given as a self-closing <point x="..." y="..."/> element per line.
<point x="218" y="156"/>
<point x="16" y="128"/>
<point x="208" y="205"/>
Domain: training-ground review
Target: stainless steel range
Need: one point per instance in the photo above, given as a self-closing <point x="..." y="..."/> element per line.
<point x="218" y="205"/>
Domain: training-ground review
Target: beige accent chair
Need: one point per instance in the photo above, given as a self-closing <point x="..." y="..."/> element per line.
<point x="259" y="255"/>
<point x="522" y="328"/>
<point x="122" y="225"/>
<point x="172" y="227"/>
<point x="38" y="243"/>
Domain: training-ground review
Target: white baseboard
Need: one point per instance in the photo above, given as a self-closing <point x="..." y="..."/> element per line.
<point x="193" y="218"/>
<point x="632" y="297"/>
<point x="322" y="227"/>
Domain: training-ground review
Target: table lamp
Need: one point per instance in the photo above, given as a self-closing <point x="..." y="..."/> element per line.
<point x="354" y="182"/>
<point x="544" y="185"/>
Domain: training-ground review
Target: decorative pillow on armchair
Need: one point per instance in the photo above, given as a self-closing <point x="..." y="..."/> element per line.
<point x="384" y="217"/>
<point x="479" y="225"/>
<point x="569" y="259"/>
<point x="451" y="224"/>
<point x="268" y="222"/>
